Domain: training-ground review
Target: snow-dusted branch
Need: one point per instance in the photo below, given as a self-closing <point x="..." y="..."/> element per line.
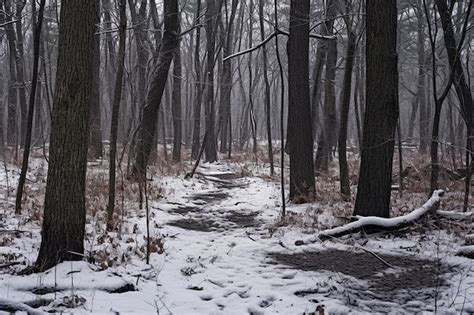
<point x="382" y="223"/>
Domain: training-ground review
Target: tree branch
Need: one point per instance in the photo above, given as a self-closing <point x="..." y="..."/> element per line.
<point x="266" y="40"/>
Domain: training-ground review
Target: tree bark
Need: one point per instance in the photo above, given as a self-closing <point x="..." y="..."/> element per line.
<point x="302" y="187"/>
<point x="95" y="147"/>
<point x="64" y="206"/>
<point x="345" y="105"/>
<point x="12" y="130"/>
<point x="381" y="112"/>
<point x="267" y="88"/>
<point x="198" y="87"/>
<point x="176" y="106"/>
<point x="226" y="89"/>
<point x="211" y="26"/>
<point x="20" y="68"/>
<point x="328" y="50"/>
<point x="424" y="116"/>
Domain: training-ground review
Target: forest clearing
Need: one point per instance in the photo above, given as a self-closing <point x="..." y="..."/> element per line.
<point x="236" y="157"/>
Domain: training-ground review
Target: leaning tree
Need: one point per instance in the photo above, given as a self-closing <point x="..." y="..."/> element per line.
<point x="156" y="88"/>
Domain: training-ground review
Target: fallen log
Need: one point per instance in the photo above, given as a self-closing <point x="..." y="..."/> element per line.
<point x="466" y="251"/>
<point x="382" y="224"/>
<point x="13" y="307"/>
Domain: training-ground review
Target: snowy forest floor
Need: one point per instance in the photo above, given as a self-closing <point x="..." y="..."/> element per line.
<point x="219" y="247"/>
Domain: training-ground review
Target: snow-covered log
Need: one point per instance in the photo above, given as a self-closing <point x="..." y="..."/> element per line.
<point x="466" y="251"/>
<point x="13" y="307"/>
<point x="376" y="222"/>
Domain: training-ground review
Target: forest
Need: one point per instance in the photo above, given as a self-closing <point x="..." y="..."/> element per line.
<point x="236" y="157"/>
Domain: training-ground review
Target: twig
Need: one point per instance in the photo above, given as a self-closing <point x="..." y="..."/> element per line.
<point x="376" y="256"/>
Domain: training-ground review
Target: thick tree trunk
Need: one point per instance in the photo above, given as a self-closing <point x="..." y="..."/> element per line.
<point x="64" y="206"/>
<point x="115" y="112"/>
<point x="381" y="112"/>
<point x="156" y="88"/>
<point x="176" y="106"/>
<point x="302" y="187"/>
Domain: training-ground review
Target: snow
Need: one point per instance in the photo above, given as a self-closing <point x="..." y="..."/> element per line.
<point x="223" y="271"/>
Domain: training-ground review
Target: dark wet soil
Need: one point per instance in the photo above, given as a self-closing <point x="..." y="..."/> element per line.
<point x="185" y="210"/>
<point x="200" y="224"/>
<point x="211" y="197"/>
<point x="243" y="220"/>
<point x="413" y="278"/>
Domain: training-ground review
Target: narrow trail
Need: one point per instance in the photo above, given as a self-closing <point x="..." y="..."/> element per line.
<point x="234" y="265"/>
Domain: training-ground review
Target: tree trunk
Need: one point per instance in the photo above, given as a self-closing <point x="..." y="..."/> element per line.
<point x="328" y="136"/>
<point x="95" y="147"/>
<point x="12" y="133"/>
<point x="211" y="25"/>
<point x="115" y="112"/>
<point x="198" y="87"/>
<point x="381" y="111"/>
<point x="139" y="21"/>
<point x="345" y="104"/>
<point x="147" y="128"/>
<point x="459" y="80"/>
<point x="176" y="106"/>
<point x="31" y="106"/>
<point x="267" y="88"/>
<point x="302" y="187"/>
<point x="424" y="116"/>
<point x="328" y="52"/>
<point x="226" y="89"/>
<point x="20" y="69"/>
<point x="64" y="206"/>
